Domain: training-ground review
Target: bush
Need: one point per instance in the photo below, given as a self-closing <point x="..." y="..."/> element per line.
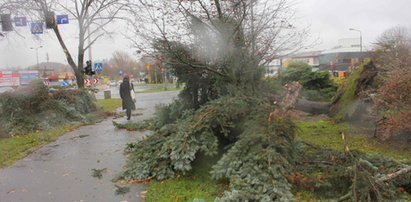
<point x="35" y="109"/>
<point x="317" y="85"/>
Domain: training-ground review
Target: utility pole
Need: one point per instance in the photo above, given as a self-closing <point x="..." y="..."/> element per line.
<point x="89" y="43"/>
<point x="37" y="55"/>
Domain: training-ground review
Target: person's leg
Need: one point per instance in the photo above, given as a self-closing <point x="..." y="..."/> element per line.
<point x="128" y="111"/>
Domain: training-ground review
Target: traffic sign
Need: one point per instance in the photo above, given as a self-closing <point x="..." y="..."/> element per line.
<point x="65" y="83"/>
<point x="62" y="19"/>
<point x="37" y="28"/>
<point x="86" y="82"/>
<point x="20" y="21"/>
<point x="98" y="67"/>
<point x="46" y="83"/>
<point x="95" y="81"/>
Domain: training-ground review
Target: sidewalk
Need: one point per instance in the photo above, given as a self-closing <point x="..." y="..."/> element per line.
<point x="62" y="170"/>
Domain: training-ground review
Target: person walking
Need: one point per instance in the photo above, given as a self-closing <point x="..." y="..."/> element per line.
<point x="125" y="94"/>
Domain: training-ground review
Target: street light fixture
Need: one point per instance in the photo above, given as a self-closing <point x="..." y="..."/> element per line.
<point x="37" y="54"/>
<point x="352" y="29"/>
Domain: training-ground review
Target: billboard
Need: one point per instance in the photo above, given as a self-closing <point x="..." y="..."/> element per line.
<point x="27" y="76"/>
<point x="8" y="78"/>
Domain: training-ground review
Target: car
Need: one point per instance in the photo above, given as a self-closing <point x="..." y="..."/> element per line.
<point x="112" y="83"/>
<point x="6" y="89"/>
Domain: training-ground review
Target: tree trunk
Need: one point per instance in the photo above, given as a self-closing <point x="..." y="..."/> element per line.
<point x="391" y="176"/>
<point x="77" y="70"/>
<point x="313" y="107"/>
<point x="80" y="59"/>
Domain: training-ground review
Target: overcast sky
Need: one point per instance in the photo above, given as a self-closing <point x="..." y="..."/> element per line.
<point x="330" y="21"/>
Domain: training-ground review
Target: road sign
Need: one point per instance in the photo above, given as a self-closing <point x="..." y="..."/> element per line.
<point x="46" y="83"/>
<point x="62" y="19"/>
<point x="86" y="82"/>
<point x="37" y="28"/>
<point x="20" y="21"/>
<point x="95" y="81"/>
<point x="65" y="83"/>
<point x="98" y="67"/>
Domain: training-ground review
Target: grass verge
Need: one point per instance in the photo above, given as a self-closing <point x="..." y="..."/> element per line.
<point x="17" y="147"/>
<point x="159" y="90"/>
<point x="195" y="185"/>
<point x="326" y="133"/>
<point x="14" y="148"/>
<point x="109" y="105"/>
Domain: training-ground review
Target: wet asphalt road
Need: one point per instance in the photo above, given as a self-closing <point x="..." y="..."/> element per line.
<point x="61" y="171"/>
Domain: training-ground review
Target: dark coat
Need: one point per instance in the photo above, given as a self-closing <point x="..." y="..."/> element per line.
<point x="126" y="96"/>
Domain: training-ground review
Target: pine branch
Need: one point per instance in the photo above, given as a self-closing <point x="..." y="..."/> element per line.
<point x="394" y="175"/>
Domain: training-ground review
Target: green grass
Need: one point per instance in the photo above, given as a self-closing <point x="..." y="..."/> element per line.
<point x="14" y="148"/>
<point x="326" y="133"/>
<point x="152" y="84"/>
<point x="109" y="105"/>
<point x="197" y="184"/>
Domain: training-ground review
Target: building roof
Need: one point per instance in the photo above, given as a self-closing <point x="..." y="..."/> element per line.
<point x="305" y="54"/>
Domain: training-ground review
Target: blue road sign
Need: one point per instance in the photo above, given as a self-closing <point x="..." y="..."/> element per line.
<point x="20" y="21"/>
<point x="37" y="28"/>
<point x="98" y="67"/>
<point x="62" y="19"/>
<point x="65" y="83"/>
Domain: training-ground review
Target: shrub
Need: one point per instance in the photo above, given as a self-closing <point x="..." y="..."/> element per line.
<point x="35" y="109"/>
<point x="317" y="85"/>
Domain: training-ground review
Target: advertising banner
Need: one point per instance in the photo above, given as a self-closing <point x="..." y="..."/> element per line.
<point x="27" y="76"/>
<point x="8" y="78"/>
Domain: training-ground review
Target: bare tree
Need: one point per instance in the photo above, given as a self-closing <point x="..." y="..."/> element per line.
<point x="393" y="100"/>
<point x="393" y="50"/>
<point x="123" y="61"/>
<point x="15" y="7"/>
<point x="92" y="16"/>
<point x="216" y="28"/>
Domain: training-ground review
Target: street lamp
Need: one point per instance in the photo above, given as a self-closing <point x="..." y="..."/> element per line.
<point x="37" y="54"/>
<point x="352" y="29"/>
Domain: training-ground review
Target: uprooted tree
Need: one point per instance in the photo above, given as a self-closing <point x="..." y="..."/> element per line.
<point x="379" y="92"/>
<point x="219" y="48"/>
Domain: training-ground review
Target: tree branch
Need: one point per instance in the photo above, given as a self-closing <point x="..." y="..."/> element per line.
<point x="391" y="176"/>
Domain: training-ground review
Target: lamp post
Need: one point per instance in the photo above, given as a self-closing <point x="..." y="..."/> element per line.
<point x="37" y="54"/>
<point x="352" y="29"/>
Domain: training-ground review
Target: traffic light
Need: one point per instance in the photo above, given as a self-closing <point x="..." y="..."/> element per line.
<point x="88" y="70"/>
<point x="6" y="23"/>
<point x="50" y="20"/>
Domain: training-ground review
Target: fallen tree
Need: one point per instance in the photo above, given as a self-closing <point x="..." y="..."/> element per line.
<point x="263" y="160"/>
